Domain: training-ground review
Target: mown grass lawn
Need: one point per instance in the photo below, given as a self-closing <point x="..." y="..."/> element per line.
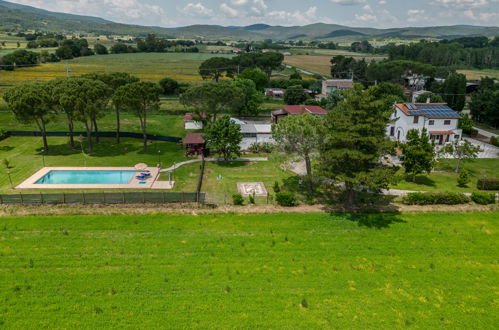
<point x="281" y="271"/>
<point x="445" y="179"/>
<point x="25" y="156"/>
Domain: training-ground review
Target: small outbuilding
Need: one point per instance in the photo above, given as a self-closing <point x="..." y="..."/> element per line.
<point x="194" y="144"/>
<point x="193" y="121"/>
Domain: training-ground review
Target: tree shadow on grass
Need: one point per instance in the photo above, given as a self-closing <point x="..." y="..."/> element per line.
<point x="230" y="164"/>
<point x="423" y="180"/>
<point x="103" y="149"/>
<point x="6" y="148"/>
<point x="371" y="210"/>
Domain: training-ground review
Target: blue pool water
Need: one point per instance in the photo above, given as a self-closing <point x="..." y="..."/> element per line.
<point x="87" y="177"/>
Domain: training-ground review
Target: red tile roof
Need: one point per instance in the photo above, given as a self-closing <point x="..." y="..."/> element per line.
<point x="193" y="116"/>
<point x="441" y="132"/>
<point x="194" y="138"/>
<point x="300" y="109"/>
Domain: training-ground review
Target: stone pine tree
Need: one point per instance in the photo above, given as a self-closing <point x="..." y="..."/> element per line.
<point x="454" y="91"/>
<point x="216" y="68"/>
<point x="114" y="80"/>
<point x="30" y="103"/>
<point x="295" y="95"/>
<point x="299" y="134"/>
<point x="139" y="98"/>
<point x="418" y="153"/>
<point x="353" y="143"/>
<point x="223" y="137"/>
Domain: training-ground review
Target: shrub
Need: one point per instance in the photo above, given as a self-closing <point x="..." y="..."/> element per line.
<point x="262" y="147"/>
<point x="276" y="187"/>
<point x="3" y="134"/>
<point x="285" y="199"/>
<point x="251" y="199"/>
<point x="483" y="198"/>
<point x="494" y="141"/>
<point x="464" y="178"/>
<point x="473" y="132"/>
<point x="488" y="184"/>
<point x="448" y="198"/>
<point x="237" y="199"/>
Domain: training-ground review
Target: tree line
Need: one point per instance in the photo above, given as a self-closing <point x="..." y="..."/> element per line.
<point x="83" y="99"/>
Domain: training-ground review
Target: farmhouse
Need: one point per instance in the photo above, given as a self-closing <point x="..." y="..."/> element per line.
<point x="331" y="85"/>
<point x="439" y="119"/>
<point x="275" y="93"/>
<point x="297" y="110"/>
<point x="193" y="121"/>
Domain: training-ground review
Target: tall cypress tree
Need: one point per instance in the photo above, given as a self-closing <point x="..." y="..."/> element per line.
<point x="354" y="142"/>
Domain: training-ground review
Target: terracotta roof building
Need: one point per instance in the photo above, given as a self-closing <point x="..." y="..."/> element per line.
<point x="297" y="110"/>
<point x="331" y="85"/>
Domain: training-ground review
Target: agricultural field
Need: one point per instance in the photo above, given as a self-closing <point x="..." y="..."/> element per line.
<point x="281" y="271"/>
<point x="147" y="66"/>
<point x="478" y="74"/>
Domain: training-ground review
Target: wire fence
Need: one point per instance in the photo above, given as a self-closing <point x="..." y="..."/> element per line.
<point x="151" y="137"/>
<point x="104" y="198"/>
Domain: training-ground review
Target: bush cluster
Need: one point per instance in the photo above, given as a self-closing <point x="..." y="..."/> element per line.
<point x="261" y="148"/>
<point x="285" y="199"/>
<point x="488" y="184"/>
<point x="483" y="198"/>
<point x="3" y="134"/>
<point x="237" y="199"/>
<point x="448" y="198"/>
<point x="494" y="141"/>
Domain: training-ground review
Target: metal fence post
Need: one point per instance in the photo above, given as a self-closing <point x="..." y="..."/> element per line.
<point x="41" y="197"/>
<point x="22" y="200"/>
<point x="83" y="193"/>
<point x="123" y="195"/>
<point x="63" y="198"/>
<point x="164" y="197"/>
<point x="143" y="198"/>
<point x="104" y="197"/>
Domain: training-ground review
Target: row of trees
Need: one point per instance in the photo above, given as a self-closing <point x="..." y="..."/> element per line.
<point x="219" y="67"/>
<point x="84" y="99"/>
<point x="484" y="105"/>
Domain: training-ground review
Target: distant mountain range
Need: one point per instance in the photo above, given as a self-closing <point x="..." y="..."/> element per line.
<point x="26" y="17"/>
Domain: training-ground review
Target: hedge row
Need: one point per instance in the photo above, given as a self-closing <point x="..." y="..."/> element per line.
<point x="483" y="198"/>
<point x="488" y="184"/>
<point x="448" y="198"/>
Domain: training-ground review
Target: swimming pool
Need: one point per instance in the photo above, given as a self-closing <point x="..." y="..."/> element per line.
<point x="87" y="177"/>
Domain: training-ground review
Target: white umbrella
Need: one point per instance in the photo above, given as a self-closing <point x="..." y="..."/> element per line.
<point x="141" y="166"/>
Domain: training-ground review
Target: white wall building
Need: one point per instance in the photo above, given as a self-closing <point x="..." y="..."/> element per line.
<point x="331" y="85"/>
<point x="255" y="133"/>
<point x="440" y="121"/>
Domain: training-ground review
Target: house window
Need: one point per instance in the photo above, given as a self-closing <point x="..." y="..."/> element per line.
<point x="447" y="139"/>
<point x="456" y="137"/>
<point x="416" y="119"/>
<point x="392" y="131"/>
<point x="447" y="122"/>
<point x="431" y="122"/>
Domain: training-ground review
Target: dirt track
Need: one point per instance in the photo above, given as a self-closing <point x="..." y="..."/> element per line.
<point x="46" y="210"/>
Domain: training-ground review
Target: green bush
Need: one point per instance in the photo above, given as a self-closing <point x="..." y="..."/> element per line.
<point x="276" y="187"/>
<point x="261" y="148"/>
<point x="448" y="198"/>
<point x="464" y="178"/>
<point x="494" y="141"/>
<point x="483" y="198"/>
<point x="251" y="199"/>
<point x="237" y="199"/>
<point x="3" y="135"/>
<point x="285" y="199"/>
<point x="488" y="184"/>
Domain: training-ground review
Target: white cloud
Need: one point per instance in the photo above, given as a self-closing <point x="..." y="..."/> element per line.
<point x="416" y="15"/>
<point x="197" y="9"/>
<point x="366" y="18"/>
<point x="367" y="8"/>
<point x="348" y="2"/>
<point x="415" y="12"/>
<point x="229" y="11"/>
<point x="464" y="4"/>
<point x="382" y="2"/>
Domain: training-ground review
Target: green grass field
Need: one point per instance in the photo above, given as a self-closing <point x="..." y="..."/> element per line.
<point x="280" y="271"/>
<point x="444" y="179"/>
<point x="147" y="66"/>
<point x="475" y="74"/>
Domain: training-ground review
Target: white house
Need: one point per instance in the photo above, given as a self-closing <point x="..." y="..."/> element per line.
<point x="440" y="121"/>
<point x="255" y="133"/>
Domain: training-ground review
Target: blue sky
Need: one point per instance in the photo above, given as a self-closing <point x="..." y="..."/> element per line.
<point x="366" y="13"/>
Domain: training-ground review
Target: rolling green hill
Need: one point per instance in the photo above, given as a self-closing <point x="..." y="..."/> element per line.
<point x="26" y="17"/>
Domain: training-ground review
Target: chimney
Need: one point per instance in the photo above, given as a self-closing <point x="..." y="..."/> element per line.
<point x="428" y="100"/>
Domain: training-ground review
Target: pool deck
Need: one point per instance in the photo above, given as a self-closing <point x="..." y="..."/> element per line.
<point x="133" y="184"/>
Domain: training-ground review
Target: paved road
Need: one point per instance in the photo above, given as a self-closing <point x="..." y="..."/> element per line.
<point x="484" y="132"/>
<point x="197" y="160"/>
<point x="488" y="150"/>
